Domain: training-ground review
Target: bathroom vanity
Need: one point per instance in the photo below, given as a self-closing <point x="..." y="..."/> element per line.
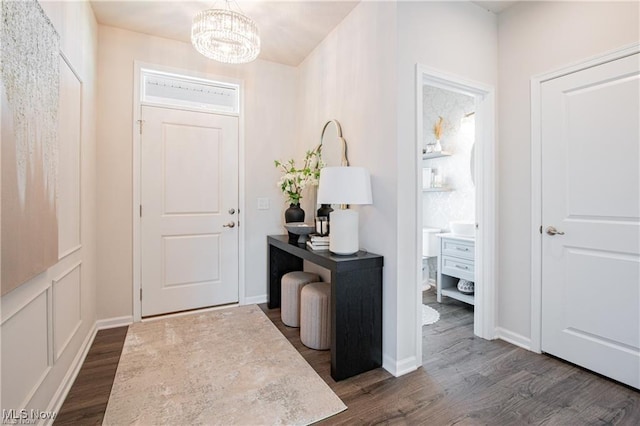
<point x="456" y="260"/>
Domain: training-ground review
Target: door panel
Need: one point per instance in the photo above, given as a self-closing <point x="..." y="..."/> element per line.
<point x="591" y="192"/>
<point x="191" y="259"/>
<point x="191" y="156"/>
<point x="189" y="184"/>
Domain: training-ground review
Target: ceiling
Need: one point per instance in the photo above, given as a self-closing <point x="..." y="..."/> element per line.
<point x="289" y="29"/>
<point x="495" y="6"/>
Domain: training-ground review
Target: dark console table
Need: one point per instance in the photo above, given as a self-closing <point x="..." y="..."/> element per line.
<point x="356" y="301"/>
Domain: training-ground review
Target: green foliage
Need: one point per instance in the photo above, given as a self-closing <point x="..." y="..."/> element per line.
<point x="294" y="180"/>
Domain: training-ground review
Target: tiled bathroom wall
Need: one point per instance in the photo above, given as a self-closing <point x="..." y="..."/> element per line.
<point x="439" y="208"/>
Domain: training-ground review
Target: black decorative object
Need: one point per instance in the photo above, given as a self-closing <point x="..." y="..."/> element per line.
<point x="293" y="214"/>
<point x="324" y="210"/>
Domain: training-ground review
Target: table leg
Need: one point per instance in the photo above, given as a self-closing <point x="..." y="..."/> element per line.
<point x="356" y="322"/>
<point x="280" y="263"/>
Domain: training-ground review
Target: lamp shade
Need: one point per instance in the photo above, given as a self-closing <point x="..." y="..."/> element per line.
<point x="344" y="185"/>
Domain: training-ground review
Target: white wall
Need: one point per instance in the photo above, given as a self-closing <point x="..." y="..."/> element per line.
<point x="269" y="117"/>
<point x="535" y="38"/>
<point x="458" y="38"/>
<point x="364" y="76"/>
<point x="49" y="321"/>
<point x="350" y="77"/>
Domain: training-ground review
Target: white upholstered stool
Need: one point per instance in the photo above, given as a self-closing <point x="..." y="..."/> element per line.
<point x="291" y="285"/>
<point x="315" y="316"/>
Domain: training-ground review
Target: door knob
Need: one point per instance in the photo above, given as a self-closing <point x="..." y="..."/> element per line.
<point x="551" y="230"/>
<point x="232" y="211"/>
<point x="229" y="225"/>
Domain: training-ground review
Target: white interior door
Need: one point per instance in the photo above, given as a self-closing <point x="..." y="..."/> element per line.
<point x="189" y="193"/>
<point x="590" y="194"/>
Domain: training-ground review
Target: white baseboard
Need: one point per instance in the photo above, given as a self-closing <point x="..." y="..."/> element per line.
<point x="399" y="368"/>
<point x="107" y="323"/>
<point x="255" y="300"/>
<point x="65" y="386"/>
<point x="513" y="338"/>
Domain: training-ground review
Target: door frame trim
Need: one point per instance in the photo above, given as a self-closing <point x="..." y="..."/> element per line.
<point x="536" y="176"/>
<point x="137" y="182"/>
<point x="486" y="197"/>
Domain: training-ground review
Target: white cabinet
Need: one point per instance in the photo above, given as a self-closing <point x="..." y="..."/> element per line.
<point x="456" y="260"/>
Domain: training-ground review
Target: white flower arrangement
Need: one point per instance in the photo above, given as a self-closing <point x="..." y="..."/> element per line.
<point x="294" y="180"/>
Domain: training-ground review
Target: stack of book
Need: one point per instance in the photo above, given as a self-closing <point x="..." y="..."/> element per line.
<point x="317" y="242"/>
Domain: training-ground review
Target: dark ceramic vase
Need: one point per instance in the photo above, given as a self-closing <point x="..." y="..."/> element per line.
<point x="293" y="214"/>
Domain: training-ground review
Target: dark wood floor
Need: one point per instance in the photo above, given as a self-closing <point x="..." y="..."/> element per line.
<point x="465" y="380"/>
<point x="87" y="400"/>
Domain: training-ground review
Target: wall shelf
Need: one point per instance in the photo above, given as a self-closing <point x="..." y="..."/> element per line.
<point x="455" y="294"/>
<point x="431" y="155"/>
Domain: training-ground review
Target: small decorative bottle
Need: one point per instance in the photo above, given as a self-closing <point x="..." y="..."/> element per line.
<point x="437" y="147"/>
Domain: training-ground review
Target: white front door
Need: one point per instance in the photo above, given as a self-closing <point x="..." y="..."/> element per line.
<point x="189" y="193"/>
<point x="591" y="195"/>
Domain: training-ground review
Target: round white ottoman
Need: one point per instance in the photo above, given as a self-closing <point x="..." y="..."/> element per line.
<point x="291" y="285"/>
<point x="315" y="316"/>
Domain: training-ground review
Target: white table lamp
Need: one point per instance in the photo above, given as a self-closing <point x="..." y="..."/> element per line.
<point x="344" y="186"/>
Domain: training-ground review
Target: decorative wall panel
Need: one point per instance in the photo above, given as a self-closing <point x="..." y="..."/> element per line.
<point x="67" y="309"/>
<point x="29" y="72"/>
<point x="69" y="161"/>
<point x="25" y="352"/>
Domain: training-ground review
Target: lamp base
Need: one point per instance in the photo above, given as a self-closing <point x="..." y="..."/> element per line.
<point x="343" y="238"/>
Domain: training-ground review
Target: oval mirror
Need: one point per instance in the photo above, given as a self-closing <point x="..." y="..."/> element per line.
<point x="332" y="145"/>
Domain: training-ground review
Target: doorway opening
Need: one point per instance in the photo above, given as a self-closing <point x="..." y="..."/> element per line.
<point x="455" y="223"/>
<point x="187" y="191"/>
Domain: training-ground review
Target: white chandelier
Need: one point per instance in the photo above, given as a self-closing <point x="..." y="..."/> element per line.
<point x="225" y="36"/>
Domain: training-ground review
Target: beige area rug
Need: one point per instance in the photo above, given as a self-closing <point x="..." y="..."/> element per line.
<point x="230" y="367"/>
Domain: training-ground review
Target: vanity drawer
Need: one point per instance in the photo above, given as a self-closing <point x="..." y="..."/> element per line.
<point x="458" y="248"/>
<point x="457" y="267"/>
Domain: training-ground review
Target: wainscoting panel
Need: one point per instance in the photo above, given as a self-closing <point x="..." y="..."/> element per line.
<point x="67" y="308"/>
<point x="68" y="202"/>
<point x="25" y="351"/>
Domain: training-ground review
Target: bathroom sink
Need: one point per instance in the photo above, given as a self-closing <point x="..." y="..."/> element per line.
<point x="463" y="229"/>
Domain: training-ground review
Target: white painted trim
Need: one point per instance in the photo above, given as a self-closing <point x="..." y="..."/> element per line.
<point x="536" y="219"/>
<point x="49" y="345"/>
<point x="418" y="206"/>
<point x="54" y="281"/>
<point x="114" y="322"/>
<point x="65" y="386"/>
<point x="536" y="177"/>
<point x="137" y="260"/>
<point x="402" y="367"/>
<point x="486" y="197"/>
<point x="136" y="181"/>
<point x="9" y="311"/>
<point x="255" y="300"/>
<point x="513" y="338"/>
<point x="241" y="200"/>
<point x="486" y="218"/>
<point x="80" y="209"/>
<point x="69" y="252"/>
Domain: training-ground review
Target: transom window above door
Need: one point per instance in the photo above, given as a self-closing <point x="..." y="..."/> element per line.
<point x="173" y="90"/>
